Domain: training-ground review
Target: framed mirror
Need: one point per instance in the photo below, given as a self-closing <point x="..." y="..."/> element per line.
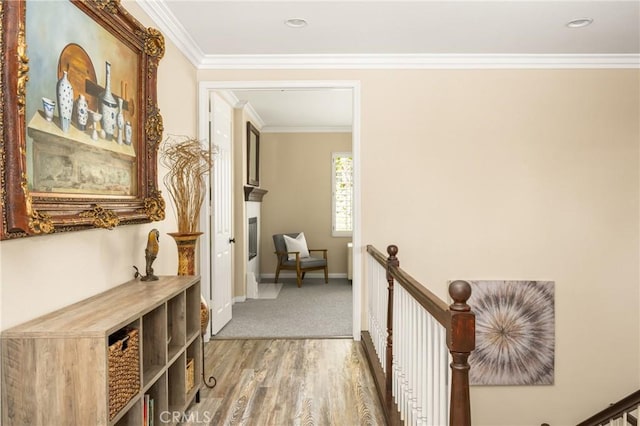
<point x="253" y="155"/>
<point x="79" y="122"/>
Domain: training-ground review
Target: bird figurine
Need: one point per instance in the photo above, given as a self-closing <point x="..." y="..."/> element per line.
<point x="150" y="254"/>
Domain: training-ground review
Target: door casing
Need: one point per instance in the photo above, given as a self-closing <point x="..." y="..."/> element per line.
<point x="204" y="92"/>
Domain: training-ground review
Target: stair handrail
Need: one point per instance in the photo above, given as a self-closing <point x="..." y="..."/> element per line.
<point x="457" y="319"/>
<point x="614" y="411"/>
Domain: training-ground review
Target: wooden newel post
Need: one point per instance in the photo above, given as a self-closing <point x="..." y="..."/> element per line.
<point x="392" y="261"/>
<point x="461" y="341"/>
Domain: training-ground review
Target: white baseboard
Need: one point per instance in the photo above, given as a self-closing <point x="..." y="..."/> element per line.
<point x="290" y="274"/>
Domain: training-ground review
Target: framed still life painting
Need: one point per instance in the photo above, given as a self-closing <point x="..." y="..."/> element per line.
<point x="79" y="122"/>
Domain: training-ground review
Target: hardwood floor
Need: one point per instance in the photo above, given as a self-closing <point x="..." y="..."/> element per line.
<point x="287" y="382"/>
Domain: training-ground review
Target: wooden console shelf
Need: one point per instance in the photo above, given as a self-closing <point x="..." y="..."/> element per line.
<point x="55" y="367"/>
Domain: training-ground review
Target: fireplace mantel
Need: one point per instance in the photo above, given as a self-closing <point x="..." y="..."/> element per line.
<point x="253" y="193"/>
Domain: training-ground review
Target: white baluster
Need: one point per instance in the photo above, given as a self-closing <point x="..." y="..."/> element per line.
<point x="380" y="319"/>
<point x="399" y="342"/>
<point x="444" y="376"/>
<point x="420" y="365"/>
<point x="407" y="356"/>
<point x="423" y="368"/>
<point x="415" y="381"/>
<point x="370" y="295"/>
<point x="396" y="356"/>
<point x="403" y="354"/>
<point x="382" y="284"/>
<point x="410" y="360"/>
<point x="375" y="332"/>
<point x="428" y="376"/>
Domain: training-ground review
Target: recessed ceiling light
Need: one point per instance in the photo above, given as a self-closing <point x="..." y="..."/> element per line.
<point x="296" y="22"/>
<point x="579" y="23"/>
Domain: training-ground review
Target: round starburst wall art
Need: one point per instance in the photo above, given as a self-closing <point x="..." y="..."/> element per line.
<point x="515" y="333"/>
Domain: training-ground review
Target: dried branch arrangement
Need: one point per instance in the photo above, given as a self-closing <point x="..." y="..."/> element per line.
<point x="188" y="161"/>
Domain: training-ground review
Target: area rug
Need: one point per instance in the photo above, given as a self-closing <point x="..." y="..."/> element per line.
<point x="269" y="290"/>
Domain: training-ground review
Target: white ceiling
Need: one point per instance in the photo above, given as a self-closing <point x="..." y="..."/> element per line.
<point x="387" y="27"/>
<point x="298" y="110"/>
<point x="392" y="34"/>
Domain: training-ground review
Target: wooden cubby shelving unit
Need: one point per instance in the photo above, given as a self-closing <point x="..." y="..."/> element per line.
<point x="55" y="367"/>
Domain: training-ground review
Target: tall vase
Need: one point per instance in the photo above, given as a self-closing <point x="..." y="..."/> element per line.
<point x="120" y="122"/>
<point x="108" y="105"/>
<point x="186" y="242"/>
<point x="64" y="92"/>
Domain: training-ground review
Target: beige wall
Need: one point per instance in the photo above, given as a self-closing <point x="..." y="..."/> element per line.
<point x="512" y="174"/>
<point x="296" y="170"/>
<point x="41" y="274"/>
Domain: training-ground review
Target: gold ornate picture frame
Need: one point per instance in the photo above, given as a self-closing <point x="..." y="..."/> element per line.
<point x="79" y="121"/>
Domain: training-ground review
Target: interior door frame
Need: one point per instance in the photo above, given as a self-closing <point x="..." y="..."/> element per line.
<point x="205" y="87"/>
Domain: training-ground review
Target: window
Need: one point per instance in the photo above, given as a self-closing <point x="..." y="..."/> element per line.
<point x="342" y="194"/>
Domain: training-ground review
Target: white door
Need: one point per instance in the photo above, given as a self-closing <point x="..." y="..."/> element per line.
<point x="221" y="225"/>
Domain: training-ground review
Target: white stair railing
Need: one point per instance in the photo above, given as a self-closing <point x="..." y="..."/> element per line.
<point x="411" y="335"/>
<point x="420" y="363"/>
<point x="377" y="304"/>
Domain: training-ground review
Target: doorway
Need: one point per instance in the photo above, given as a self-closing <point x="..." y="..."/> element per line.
<point x="206" y="91"/>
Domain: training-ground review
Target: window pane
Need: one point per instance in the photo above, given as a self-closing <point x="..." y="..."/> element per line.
<point x="342" y="192"/>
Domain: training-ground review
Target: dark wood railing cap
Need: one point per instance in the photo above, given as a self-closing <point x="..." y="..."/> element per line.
<point x="460" y="292"/>
<point x="392" y="251"/>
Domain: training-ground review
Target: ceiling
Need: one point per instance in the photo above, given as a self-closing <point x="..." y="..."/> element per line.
<point x="391" y="34"/>
<point x="299" y="110"/>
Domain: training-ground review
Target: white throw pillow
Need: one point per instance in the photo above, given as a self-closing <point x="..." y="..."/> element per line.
<point x="298" y="243"/>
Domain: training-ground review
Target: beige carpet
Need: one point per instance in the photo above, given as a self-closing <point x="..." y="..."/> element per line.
<point x="315" y="310"/>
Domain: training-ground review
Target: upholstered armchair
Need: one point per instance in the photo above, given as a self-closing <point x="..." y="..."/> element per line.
<point x="293" y="254"/>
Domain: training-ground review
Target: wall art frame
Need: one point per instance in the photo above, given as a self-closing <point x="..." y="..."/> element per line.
<point x="94" y="165"/>
<point x="515" y="332"/>
<point x="253" y="155"/>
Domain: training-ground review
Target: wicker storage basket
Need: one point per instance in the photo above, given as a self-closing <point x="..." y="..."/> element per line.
<point x="124" y="368"/>
<point x="191" y="375"/>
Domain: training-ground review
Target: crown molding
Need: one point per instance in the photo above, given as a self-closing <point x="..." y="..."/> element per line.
<point x="421" y="61"/>
<point x="254" y="116"/>
<point x="309" y="129"/>
<point x="172" y="28"/>
<point x="233" y="100"/>
<point x="230" y="98"/>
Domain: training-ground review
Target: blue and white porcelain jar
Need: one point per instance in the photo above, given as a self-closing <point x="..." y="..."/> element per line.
<point x="127" y="133"/>
<point x="120" y="122"/>
<point x="82" y="112"/>
<point x="64" y="93"/>
<point x="108" y="106"/>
